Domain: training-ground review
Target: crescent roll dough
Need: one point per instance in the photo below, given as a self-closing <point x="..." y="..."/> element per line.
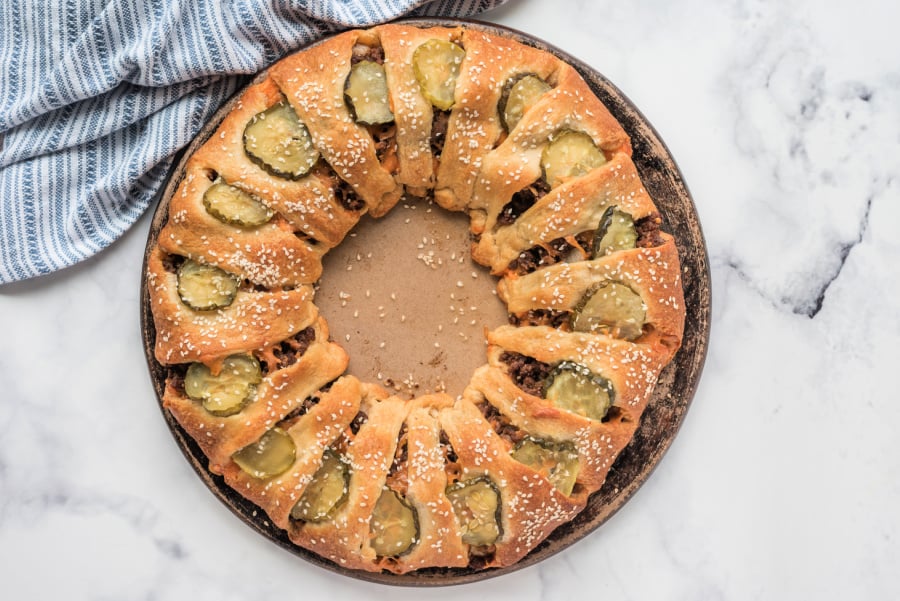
<point x="363" y="478"/>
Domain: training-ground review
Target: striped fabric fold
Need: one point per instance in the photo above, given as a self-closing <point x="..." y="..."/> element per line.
<point x="98" y="96"/>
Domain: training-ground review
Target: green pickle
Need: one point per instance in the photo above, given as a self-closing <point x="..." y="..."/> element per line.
<point x="569" y="155"/>
<point x="233" y="206"/>
<point x="366" y="91"/>
<point x="575" y="388"/>
<point x="394" y="527"/>
<point x="326" y="491"/>
<point x="519" y="95"/>
<point x="616" y="232"/>
<point x="205" y="287"/>
<point x="273" y="454"/>
<point x="277" y="141"/>
<point x="228" y="392"/>
<point x="558" y="462"/>
<point x="611" y="308"/>
<point x="436" y="65"/>
<point x="476" y="503"/>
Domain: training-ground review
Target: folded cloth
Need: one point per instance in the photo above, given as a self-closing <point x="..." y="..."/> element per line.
<point x="98" y="96"/>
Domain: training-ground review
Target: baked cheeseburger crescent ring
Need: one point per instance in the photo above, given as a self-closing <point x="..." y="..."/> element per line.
<point x="480" y="123"/>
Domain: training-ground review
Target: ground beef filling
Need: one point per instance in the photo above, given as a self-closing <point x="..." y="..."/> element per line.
<point x="541" y="317"/>
<point x="386" y="148"/>
<point x="447" y="449"/>
<point x="521" y="201"/>
<point x="171" y="263"/>
<point x="175" y="377"/>
<point x="307" y="404"/>
<point x="306" y="238"/>
<point x="554" y="252"/>
<point x="248" y="286"/>
<point x="615" y="414"/>
<point x="452" y="468"/>
<point x="648" y="232"/>
<point x="439" y="125"/>
<point x="501" y="424"/>
<point x="481" y="557"/>
<point x="342" y="444"/>
<point x="343" y="192"/>
<point x="528" y="373"/>
<point x="398" y="475"/>
<point x="357" y="423"/>
<point x="361" y="52"/>
<point x="287" y="352"/>
<point x="347" y="197"/>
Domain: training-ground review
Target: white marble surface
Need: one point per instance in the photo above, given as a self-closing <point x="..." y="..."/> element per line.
<point x="785" y="479"/>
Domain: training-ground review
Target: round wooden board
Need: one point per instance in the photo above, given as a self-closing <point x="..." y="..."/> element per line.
<point x="665" y="411"/>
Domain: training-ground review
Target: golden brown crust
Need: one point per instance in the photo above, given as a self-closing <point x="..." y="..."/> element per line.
<point x="254" y="320"/>
<point x="345" y="539"/>
<point x="598" y="443"/>
<point x="413" y="114"/>
<point x="440" y="542"/>
<point x="416" y="448"/>
<point x="475" y="126"/>
<point x="280" y="393"/>
<point x="313" y="82"/>
<point x="569" y="106"/>
<point x="308" y="204"/>
<point x="312" y="434"/>
<point x="631" y="368"/>
<point x="270" y="255"/>
<point x="654" y="273"/>
<point x="574" y="207"/>
<point x="531" y="506"/>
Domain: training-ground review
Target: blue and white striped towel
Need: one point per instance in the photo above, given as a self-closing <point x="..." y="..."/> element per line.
<point x="96" y="96"/>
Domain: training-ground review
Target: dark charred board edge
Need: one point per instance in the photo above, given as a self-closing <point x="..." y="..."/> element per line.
<point x="664" y="413"/>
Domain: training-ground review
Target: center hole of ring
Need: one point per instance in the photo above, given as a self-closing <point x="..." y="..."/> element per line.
<point x="403" y="297"/>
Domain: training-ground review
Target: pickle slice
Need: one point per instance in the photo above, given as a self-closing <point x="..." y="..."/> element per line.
<point x="476" y="503"/>
<point x="326" y="491"/>
<point x="272" y="454"/>
<point x="367" y="93"/>
<point x="519" y="96"/>
<point x="394" y="526"/>
<point x="204" y="287"/>
<point x="228" y="392"/>
<point x="233" y="206"/>
<point x="436" y="64"/>
<point x="615" y="232"/>
<point x="610" y="308"/>
<point x="277" y="141"/>
<point x="558" y="462"/>
<point x="568" y="155"/>
<point x="575" y="388"/>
